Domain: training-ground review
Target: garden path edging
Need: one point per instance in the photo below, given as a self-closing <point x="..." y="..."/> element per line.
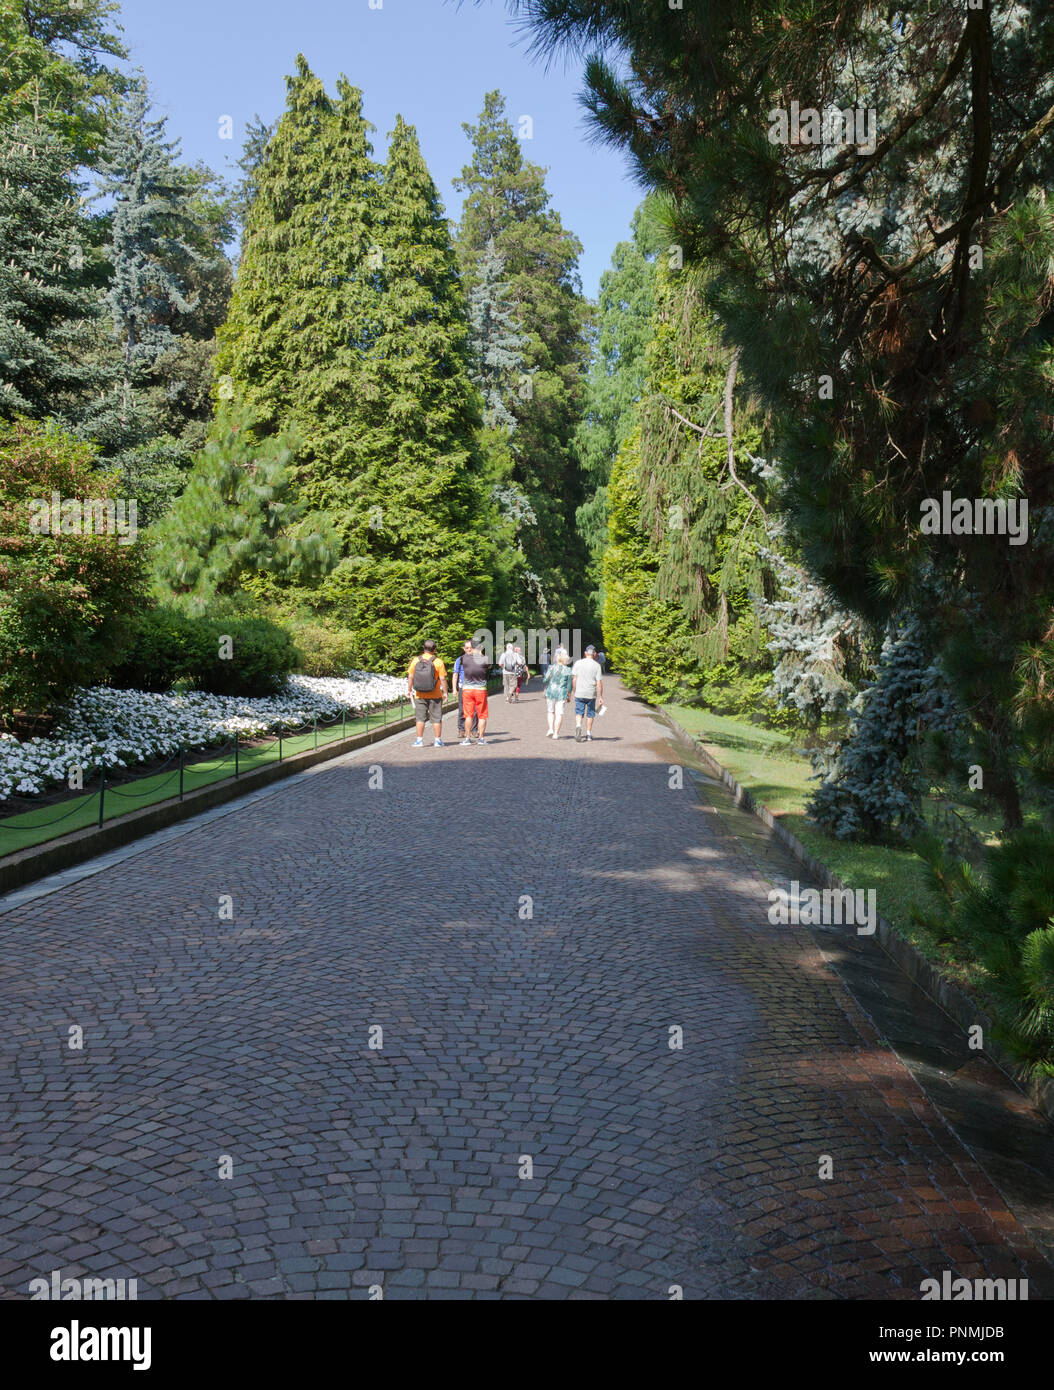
<point x="955" y="1002"/>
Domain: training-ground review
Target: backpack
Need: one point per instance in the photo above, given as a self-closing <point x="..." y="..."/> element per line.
<point x="425" y="675"/>
<point x="521" y="667"/>
<point x="473" y="667"/>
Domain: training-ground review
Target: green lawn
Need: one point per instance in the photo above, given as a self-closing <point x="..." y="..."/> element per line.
<point x="35" y="827"/>
<point x="765" y="763"/>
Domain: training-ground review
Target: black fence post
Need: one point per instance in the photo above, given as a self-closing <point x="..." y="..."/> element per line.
<point x="102" y="791"/>
<point x="316" y="730"/>
<point x="367" y="719"/>
<point x="181" y="757"/>
<point x="343" y="721"/>
<point x="236" y="742"/>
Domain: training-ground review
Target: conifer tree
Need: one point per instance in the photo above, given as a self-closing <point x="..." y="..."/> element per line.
<point x="506" y="201"/>
<point x="237" y="517"/>
<point x="874" y="781"/>
<point x="886" y="279"/>
<point x="702" y="505"/>
<point x="305" y="307"/>
<point x="153" y="259"/>
<point x="616" y="375"/>
<point x="495" y="341"/>
<point x="412" y="511"/>
<point x="648" y="639"/>
<point x="46" y="301"/>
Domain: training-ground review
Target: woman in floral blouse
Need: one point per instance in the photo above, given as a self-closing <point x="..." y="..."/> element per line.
<point x="557" y="692"/>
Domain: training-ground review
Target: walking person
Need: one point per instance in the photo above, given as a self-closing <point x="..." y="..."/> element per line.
<point x="523" y="673"/>
<point x="587" y="683"/>
<point x="557" y="692"/>
<point x="459" y="679"/>
<point x="508" y="662"/>
<point x="474" y="672"/>
<point x="426" y="686"/>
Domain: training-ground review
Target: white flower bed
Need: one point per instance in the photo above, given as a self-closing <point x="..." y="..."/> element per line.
<point x="120" y="727"/>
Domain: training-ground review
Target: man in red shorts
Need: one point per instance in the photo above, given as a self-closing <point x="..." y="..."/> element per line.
<point x="474" y="672"/>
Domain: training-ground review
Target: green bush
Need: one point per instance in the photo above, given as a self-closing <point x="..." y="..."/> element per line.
<point x="169" y="646"/>
<point x="325" y="650"/>
<point x="262" y="654"/>
<point x="166" y="646"/>
<point x="65" y="600"/>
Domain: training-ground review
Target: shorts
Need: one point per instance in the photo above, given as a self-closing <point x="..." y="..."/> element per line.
<point x="474" y="702"/>
<point x="586" y="707"/>
<point x="428" y="711"/>
<point x="551" y="706"/>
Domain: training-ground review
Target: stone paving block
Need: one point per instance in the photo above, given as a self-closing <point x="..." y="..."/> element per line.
<point x="502" y="1037"/>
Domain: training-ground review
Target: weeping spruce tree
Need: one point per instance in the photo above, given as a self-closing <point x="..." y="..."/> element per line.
<point x="348" y="324"/>
<point x="686" y="509"/>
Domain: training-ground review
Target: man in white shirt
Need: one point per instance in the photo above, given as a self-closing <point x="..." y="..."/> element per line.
<point x="587" y="686"/>
<point x="508" y="661"/>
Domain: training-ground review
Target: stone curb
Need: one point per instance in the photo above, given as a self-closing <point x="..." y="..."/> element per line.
<point x="954" y="1000"/>
<point x="27" y="865"/>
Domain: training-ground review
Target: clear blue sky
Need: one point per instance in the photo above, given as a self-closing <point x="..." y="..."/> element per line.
<point x="429" y="60"/>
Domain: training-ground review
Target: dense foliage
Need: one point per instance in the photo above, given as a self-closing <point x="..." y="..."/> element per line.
<point x="66" y="598"/>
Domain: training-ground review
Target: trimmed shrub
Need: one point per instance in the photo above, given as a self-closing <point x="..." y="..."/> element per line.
<point x="166" y="646"/>
<point x="223" y="656"/>
<point x="324" y="650"/>
<point x="262" y="655"/>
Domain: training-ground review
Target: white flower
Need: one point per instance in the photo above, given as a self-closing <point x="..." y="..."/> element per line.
<point x="117" y="728"/>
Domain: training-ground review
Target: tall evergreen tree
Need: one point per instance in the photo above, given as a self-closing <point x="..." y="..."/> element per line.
<point x="305" y="307"/>
<point x="413" y="512"/>
<point x="702" y="506"/>
<point x="887" y="284"/>
<point x="348" y="321"/>
<point x="495" y="342"/>
<point x="46" y="301"/>
<point x="153" y="258"/>
<point x="506" y="202"/>
<point x="649" y="639"/>
<point x="616" y="375"/>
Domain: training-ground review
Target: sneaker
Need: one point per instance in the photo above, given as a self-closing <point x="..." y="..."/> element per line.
<point x="438" y="743"/>
<point x="418" y="743"/>
<point x="589" y="738"/>
<point x="480" y="742"/>
<point x="578" y="735"/>
<point x="465" y="743"/>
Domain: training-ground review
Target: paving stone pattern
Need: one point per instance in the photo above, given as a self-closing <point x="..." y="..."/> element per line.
<point x="504" y="1035"/>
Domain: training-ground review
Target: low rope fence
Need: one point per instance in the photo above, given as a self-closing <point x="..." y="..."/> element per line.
<point x="232" y="751"/>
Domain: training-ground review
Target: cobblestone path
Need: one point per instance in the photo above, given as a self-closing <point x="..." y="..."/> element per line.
<point x="529" y="924"/>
